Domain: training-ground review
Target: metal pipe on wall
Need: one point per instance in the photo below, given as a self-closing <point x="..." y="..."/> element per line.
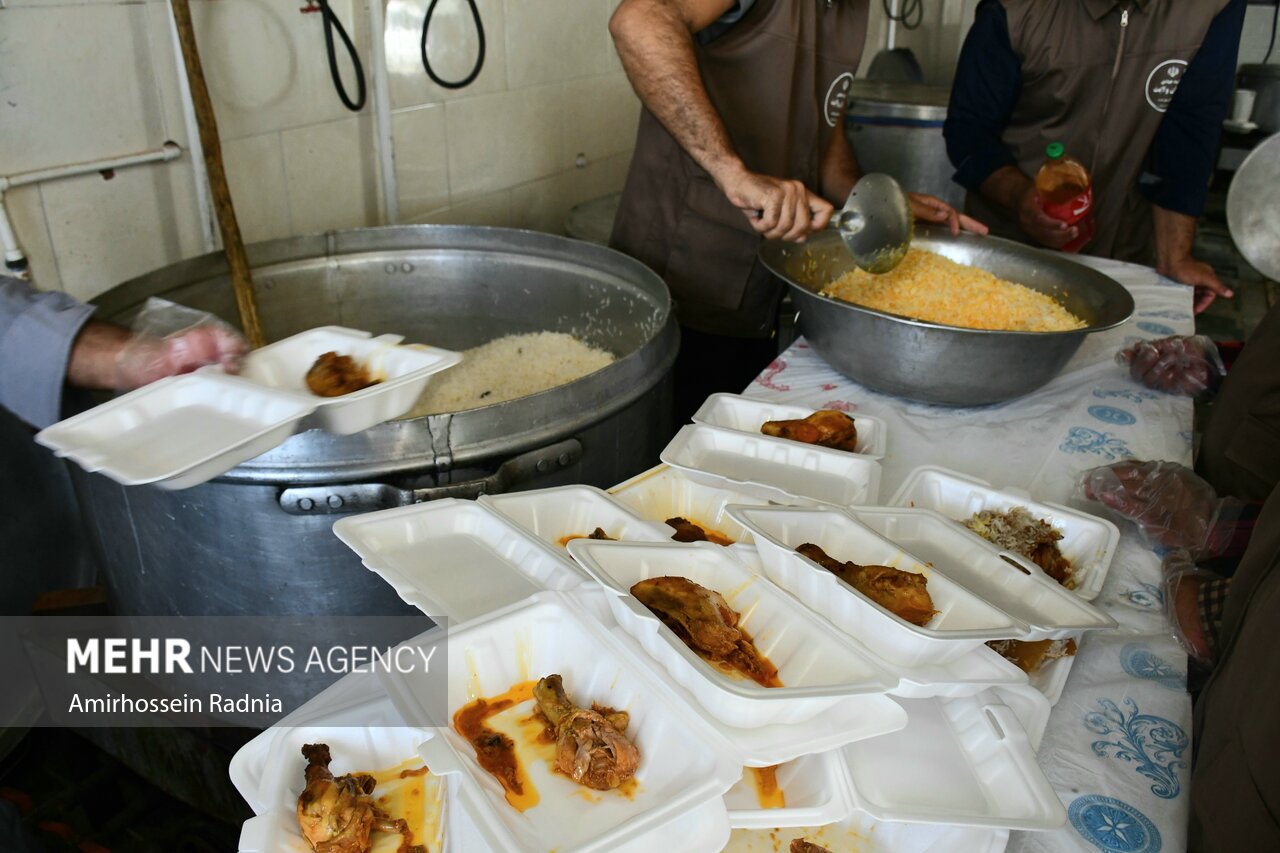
<point x="13" y="255"/>
<point x="204" y="209"/>
<point x="385" y="142"/>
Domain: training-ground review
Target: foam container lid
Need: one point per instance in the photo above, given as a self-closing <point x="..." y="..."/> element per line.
<point x="1002" y="578"/>
<point x="773" y="468"/>
<point x="966" y="675"/>
<point x="456" y="559"/>
<point x="815" y="789"/>
<point x="860" y="833"/>
<point x="745" y="414"/>
<point x="178" y="432"/>
<point x="403" y="372"/>
<point x="963" y="621"/>
<point x="555" y="514"/>
<point x="815" y="662"/>
<point x="963" y="761"/>
<point x="662" y="492"/>
<point x="1087" y="541"/>
<point x="684" y="764"/>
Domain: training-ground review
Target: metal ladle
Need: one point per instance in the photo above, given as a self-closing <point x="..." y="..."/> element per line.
<point x="875" y="223"/>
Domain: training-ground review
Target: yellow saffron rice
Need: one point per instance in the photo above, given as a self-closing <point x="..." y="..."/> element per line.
<point x="929" y="287"/>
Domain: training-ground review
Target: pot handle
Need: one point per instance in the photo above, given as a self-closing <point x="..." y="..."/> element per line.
<point x="366" y="497"/>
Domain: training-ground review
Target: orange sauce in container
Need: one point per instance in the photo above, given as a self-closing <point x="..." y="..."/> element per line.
<point x="496" y="752"/>
<point x="769" y="795"/>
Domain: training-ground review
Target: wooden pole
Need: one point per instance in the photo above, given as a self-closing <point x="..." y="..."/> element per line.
<point x="232" y="244"/>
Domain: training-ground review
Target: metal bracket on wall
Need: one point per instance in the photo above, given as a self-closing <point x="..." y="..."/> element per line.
<point x="366" y="497"/>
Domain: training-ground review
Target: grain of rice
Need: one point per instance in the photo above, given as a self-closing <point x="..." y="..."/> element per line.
<point x="926" y="286"/>
<point x="509" y="367"/>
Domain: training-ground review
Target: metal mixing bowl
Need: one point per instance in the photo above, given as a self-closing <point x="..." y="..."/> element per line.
<point x="933" y="363"/>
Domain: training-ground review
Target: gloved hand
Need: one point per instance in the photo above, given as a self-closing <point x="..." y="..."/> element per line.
<point x="146" y="358"/>
<point x="1171" y="505"/>
<point x="1179" y="365"/>
<point x="1182" y="582"/>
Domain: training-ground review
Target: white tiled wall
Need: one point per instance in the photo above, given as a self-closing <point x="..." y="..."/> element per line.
<point x="549" y="123"/>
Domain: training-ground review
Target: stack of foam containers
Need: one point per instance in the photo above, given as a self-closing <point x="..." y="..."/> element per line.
<point x="879" y="722"/>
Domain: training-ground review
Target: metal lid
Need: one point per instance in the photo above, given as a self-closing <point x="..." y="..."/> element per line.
<point x="1253" y="208"/>
<point x="899" y="100"/>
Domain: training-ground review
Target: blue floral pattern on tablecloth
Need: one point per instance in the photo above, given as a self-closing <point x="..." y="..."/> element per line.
<point x="1155" y="328"/>
<point x="1133" y="395"/>
<point x="1154" y="745"/>
<point x="1139" y="661"/>
<point x="1112" y="415"/>
<point x="1085" y="440"/>
<point x="1113" y="825"/>
<point x="1166" y="315"/>
<point x="1147" y="595"/>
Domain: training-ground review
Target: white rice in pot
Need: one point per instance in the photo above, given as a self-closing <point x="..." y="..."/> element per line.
<point x="509" y="367"/>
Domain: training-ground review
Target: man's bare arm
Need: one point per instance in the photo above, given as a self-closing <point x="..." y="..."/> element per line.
<point x="1175" y="233"/>
<point x="655" y="40"/>
<point x="1010" y="188"/>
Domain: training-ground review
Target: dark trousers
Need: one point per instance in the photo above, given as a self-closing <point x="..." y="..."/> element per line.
<point x="708" y="364"/>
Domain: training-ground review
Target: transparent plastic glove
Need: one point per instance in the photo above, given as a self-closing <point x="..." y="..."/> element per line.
<point x="1190" y="366"/>
<point x="171" y="339"/>
<point x="1182" y="581"/>
<point x="1170" y="504"/>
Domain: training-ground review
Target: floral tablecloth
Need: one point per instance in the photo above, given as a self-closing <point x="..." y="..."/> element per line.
<point x="1117" y="748"/>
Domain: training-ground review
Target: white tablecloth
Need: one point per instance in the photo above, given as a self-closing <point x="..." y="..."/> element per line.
<point x="1117" y="748"/>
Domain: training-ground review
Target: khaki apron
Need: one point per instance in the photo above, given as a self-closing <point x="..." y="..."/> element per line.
<point x="1240" y="453"/>
<point x="779" y="80"/>
<point x="1235" y="785"/>
<point x="1101" y="90"/>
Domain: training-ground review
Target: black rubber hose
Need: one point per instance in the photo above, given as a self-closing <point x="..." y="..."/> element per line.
<point x="426" y="62"/>
<point x="331" y="23"/>
<point x="910" y="16"/>
<point x="1272" y="44"/>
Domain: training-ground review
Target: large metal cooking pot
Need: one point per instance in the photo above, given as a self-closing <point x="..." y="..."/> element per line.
<point x="896" y="128"/>
<point x="1253" y="208"/>
<point x="259" y="539"/>
<point x="945" y="364"/>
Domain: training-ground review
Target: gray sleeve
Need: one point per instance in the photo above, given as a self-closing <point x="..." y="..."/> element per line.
<point x="37" y="330"/>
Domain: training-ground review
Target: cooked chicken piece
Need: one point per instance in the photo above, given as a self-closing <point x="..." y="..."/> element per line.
<point x="826" y="428"/>
<point x="334" y="375"/>
<point x="1030" y="655"/>
<point x="705" y="622"/>
<point x="905" y="594"/>
<point x="799" y="845"/>
<point x="589" y="748"/>
<point x="338" y="814"/>
<point x="687" y="531"/>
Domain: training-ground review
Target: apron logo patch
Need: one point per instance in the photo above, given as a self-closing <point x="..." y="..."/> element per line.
<point x="837" y="97"/>
<point x="1163" y="81"/>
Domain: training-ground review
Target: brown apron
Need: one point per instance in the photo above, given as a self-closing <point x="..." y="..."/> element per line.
<point x="1235" y="785"/>
<point x="1240" y="453"/>
<point x="779" y="80"/>
<point x="1101" y="90"/>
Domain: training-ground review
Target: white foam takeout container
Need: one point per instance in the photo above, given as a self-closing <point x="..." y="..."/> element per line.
<point x="182" y="431"/>
<point x="269" y="770"/>
<point x="1002" y="578"/>
<point x="403" y="372"/>
<point x="744" y="414"/>
<point x="662" y="492"/>
<point x="963" y="622"/>
<point x="854" y="718"/>
<point x="818" y="666"/>
<point x="456" y="559"/>
<point x="815" y="790"/>
<point x="419" y="549"/>
<point x="963" y="761"/>
<point x="1087" y="541"/>
<point x="775" y="469"/>
<point x="554" y="514"/>
<point x="178" y="432"/>
<point x="684" y="767"/>
<point x="860" y="833"/>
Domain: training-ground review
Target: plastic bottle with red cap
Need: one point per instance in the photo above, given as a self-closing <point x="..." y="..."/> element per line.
<point x="1066" y="193"/>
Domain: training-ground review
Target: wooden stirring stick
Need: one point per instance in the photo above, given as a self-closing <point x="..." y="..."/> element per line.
<point x="233" y="245"/>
